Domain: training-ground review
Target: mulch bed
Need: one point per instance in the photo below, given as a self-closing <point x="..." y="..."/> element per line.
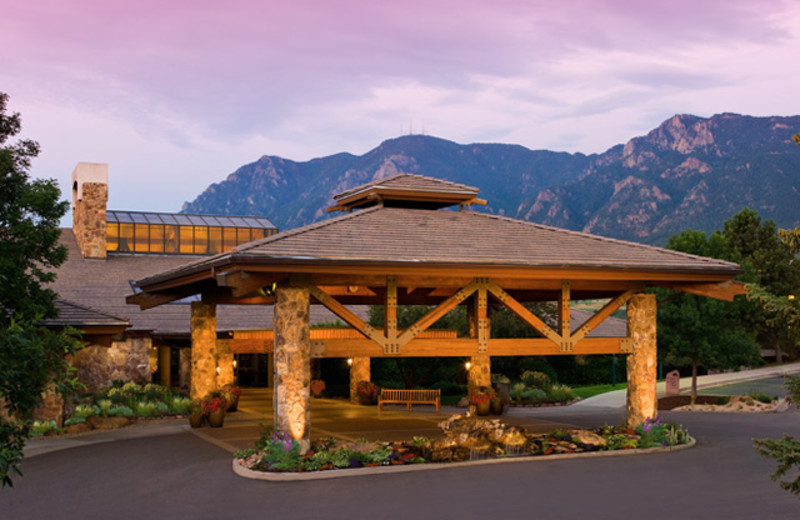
<point x="674" y="401"/>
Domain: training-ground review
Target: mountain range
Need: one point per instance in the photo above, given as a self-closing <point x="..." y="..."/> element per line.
<point x="690" y="172"/>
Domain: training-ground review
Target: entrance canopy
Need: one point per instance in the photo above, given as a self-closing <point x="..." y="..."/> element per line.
<point x="400" y="249"/>
<point x="398" y="245"/>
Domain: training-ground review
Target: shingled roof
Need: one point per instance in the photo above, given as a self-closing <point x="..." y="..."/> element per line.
<point x="82" y="316"/>
<point x="103" y="285"/>
<point x="407" y="190"/>
<point x="400" y="236"/>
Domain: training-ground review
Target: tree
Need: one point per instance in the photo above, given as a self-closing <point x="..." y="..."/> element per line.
<point x="769" y="263"/>
<point x="31" y="357"/>
<point x="699" y="331"/>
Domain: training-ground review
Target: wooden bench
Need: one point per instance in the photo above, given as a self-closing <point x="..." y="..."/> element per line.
<point x="409" y="397"/>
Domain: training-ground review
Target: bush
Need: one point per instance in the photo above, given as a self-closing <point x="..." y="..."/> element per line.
<point x="560" y="394"/>
<point x="535" y="395"/>
<point x="450" y="388"/>
<point x="792" y="386"/>
<point x="86" y="410"/>
<point x="761" y="397"/>
<point x="533" y="379"/>
<point x="40" y="428"/>
<point x="120" y="411"/>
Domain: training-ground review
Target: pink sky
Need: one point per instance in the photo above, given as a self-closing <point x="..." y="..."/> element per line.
<point x="179" y="94"/>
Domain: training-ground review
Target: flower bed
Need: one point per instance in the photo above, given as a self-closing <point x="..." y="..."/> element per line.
<point x="465" y="438"/>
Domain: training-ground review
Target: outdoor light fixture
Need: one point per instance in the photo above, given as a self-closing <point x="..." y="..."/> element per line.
<point x="467" y="365"/>
<point x="217" y="369"/>
<point x="349" y="361"/>
<point x="791" y="297"/>
<point x="234" y="363"/>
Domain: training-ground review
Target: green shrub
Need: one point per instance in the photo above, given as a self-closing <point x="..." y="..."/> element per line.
<point x="74" y="420"/>
<point x="761" y="397"/>
<point x="115" y="395"/>
<point x="723" y="400"/>
<point x="534" y="394"/>
<point x="154" y="392"/>
<point x="792" y="386"/>
<point x="120" y="411"/>
<point x="560" y="394"/>
<point x="516" y="391"/>
<point x="282" y="453"/>
<point x="619" y="441"/>
<point x="40" y="428"/>
<point x="180" y="405"/>
<point x="160" y="408"/>
<point x="144" y="409"/>
<point x="104" y="405"/>
<point x="86" y="410"/>
<point x="243" y="454"/>
<point x="449" y="388"/>
<point x="534" y="379"/>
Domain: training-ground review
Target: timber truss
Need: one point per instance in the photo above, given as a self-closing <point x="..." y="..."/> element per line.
<point x="408" y="343"/>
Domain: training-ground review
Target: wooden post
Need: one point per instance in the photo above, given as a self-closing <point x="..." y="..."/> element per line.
<point x="164" y="366"/>
<point x="642" y="363"/>
<point x="480" y="372"/>
<point x="292" y="396"/>
<point x="203" y="379"/>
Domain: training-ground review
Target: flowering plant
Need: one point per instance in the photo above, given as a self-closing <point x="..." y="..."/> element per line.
<point x="214" y="403"/>
<point x="196" y="408"/>
<point x="233" y="391"/>
<point x="482" y="394"/>
<point x="317" y="385"/>
<point x="367" y="388"/>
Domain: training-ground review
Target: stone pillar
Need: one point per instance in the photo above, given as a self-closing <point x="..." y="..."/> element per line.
<point x="51" y="408"/>
<point x="225" y="363"/>
<point x="642" y="363"/>
<point x="164" y="355"/>
<point x="480" y="371"/>
<point x="204" y="349"/>
<point x="89" y="198"/>
<point x="292" y="395"/>
<point x="359" y="371"/>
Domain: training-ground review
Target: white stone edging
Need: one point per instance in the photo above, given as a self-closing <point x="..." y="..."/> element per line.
<point x="379" y="470"/>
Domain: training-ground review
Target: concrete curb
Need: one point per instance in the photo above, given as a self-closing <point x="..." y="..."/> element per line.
<point x="382" y="470"/>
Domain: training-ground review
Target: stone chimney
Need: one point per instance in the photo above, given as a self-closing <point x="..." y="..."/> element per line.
<point x="89" y="198"/>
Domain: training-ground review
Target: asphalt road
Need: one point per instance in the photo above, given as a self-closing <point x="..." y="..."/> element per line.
<point x="181" y="476"/>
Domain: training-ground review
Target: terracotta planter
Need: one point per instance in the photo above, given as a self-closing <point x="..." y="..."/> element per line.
<point x="365" y="399"/>
<point x="497" y="406"/>
<point x="196" y="420"/>
<point x="216" y="418"/>
<point x="233" y="402"/>
<point x="483" y="408"/>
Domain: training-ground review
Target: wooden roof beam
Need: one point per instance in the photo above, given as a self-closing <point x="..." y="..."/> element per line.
<point x="726" y="291"/>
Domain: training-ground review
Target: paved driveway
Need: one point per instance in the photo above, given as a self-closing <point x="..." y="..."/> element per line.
<point x="179" y="475"/>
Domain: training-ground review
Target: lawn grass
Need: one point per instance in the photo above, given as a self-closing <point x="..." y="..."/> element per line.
<point x="588" y="391"/>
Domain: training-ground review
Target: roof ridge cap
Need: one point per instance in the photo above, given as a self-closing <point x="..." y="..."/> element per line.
<point x="606" y="239"/>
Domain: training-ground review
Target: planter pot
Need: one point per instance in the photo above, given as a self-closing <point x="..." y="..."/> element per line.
<point x="316" y="394"/>
<point x="216" y="418"/>
<point x="497" y="406"/>
<point x="483" y="408"/>
<point x="196" y="420"/>
<point x="233" y="403"/>
<point x="365" y="399"/>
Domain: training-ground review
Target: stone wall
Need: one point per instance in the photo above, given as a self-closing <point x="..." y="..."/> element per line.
<point x="480" y="371"/>
<point x="642" y="363"/>
<point x="98" y="366"/>
<point x="89" y="219"/>
<point x="225" y="363"/>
